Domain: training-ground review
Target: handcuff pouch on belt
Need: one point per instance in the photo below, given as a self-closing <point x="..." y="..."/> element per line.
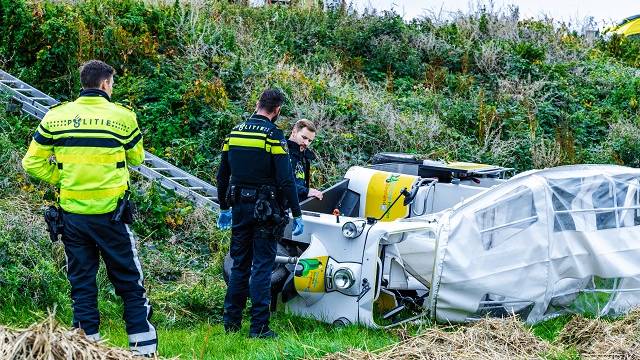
<point x="266" y="206"/>
<point x="267" y="209"/>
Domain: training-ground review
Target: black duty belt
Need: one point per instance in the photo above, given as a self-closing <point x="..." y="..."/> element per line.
<point x="250" y="193"/>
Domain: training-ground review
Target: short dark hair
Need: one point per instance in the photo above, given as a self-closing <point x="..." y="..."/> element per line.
<point x="270" y="100"/>
<point x="93" y="72"/>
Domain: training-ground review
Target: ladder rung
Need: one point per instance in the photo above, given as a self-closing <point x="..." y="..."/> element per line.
<point x="36" y="103"/>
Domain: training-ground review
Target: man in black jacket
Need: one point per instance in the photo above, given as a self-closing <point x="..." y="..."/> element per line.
<point x="302" y="135"/>
<point x="255" y="175"/>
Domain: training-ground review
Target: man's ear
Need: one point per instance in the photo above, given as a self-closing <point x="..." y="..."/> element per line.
<point x="104" y="84"/>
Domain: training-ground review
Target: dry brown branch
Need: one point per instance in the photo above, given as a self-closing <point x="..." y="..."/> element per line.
<point x="546" y="153"/>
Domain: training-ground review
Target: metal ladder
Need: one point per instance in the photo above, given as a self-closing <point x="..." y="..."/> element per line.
<point x="36" y="103"/>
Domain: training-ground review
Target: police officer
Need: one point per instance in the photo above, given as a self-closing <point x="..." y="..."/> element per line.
<point x="255" y="174"/>
<point x="302" y="135"/>
<point x="84" y="148"/>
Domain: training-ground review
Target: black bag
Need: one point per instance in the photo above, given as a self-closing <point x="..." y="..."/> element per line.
<point x="247" y="195"/>
<point x="53" y="218"/>
<point x="123" y="212"/>
<point x="263" y="211"/>
<point x="266" y="208"/>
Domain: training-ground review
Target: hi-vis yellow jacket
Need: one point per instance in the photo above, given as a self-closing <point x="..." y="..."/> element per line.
<point x="93" y="140"/>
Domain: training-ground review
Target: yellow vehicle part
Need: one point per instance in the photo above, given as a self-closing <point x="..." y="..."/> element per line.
<point x="383" y="188"/>
<point x="309" y="274"/>
<point x="469" y="166"/>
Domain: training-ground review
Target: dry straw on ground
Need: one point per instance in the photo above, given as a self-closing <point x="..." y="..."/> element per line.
<point x="486" y="339"/>
<point x="510" y="339"/>
<point x="601" y="339"/>
<point x="50" y="341"/>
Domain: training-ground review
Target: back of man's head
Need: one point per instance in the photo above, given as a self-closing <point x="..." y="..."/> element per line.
<point x="94" y="72"/>
<point x="270" y="100"/>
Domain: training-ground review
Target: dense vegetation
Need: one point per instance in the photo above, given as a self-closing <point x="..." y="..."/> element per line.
<point x="485" y="87"/>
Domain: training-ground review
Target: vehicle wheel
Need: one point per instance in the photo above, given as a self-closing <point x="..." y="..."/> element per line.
<point x="341" y="322"/>
<point x="278" y="276"/>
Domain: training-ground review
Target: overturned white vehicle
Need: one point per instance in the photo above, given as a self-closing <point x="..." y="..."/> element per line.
<point x="460" y="243"/>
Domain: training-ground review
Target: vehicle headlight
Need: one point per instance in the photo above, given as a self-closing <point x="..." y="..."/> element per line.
<point x="352" y="230"/>
<point x="343" y="279"/>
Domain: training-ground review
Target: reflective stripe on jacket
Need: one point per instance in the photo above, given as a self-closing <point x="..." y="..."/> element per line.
<point x="255" y="153"/>
<point x="301" y="166"/>
<point x="93" y="140"/>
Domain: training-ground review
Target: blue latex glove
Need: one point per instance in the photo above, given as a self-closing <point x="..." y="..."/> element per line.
<point x="224" y="220"/>
<point x="298" y="226"/>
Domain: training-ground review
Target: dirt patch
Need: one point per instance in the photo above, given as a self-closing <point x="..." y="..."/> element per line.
<point x="50" y="341"/>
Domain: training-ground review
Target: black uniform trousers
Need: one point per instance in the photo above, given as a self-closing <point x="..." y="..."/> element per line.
<point x="86" y="238"/>
<point x="253" y="250"/>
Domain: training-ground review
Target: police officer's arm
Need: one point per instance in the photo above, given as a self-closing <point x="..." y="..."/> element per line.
<point x="134" y="150"/>
<point x="37" y="161"/>
<point x="303" y="191"/>
<point x="224" y="173"/>
<point x="283" y="171"/>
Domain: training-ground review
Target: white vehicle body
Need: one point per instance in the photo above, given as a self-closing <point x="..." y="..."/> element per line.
<point x="539" y="244"/>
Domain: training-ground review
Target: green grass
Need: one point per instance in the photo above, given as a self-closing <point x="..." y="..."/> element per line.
<point x="548" y="330"/>
<point x="298" y="337"/>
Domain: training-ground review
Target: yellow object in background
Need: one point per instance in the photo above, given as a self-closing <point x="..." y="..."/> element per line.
<point x="309" y="274"/>
<point x="459" y="165"/>
<point x="383" y="188"/>
<point x="629" y="26"/>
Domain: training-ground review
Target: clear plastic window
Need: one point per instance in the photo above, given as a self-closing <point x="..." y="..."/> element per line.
<point x="595" y="203"/>
<point x="494" y="305"/>
<point x="594" y="296"/>
<point x="506" y="217"/>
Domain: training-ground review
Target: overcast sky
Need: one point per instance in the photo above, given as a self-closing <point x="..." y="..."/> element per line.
<point x="604" y="11"/>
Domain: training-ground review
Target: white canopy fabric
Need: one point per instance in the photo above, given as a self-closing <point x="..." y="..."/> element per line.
<point x="545" y="242"/>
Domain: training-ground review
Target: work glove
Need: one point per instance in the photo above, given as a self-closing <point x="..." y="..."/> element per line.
<point x="298" y="226"/>
<point x="224" y="220"/>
